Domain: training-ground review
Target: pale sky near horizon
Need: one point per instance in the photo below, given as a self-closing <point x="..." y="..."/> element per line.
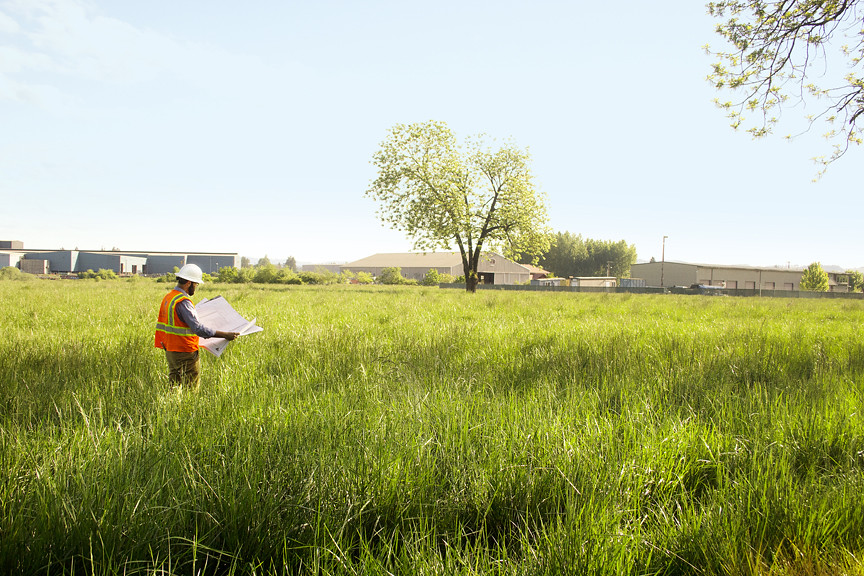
<point x="249" y="127"/>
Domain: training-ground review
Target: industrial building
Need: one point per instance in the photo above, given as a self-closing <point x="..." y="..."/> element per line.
<point x="669" y="274"/>
<point x="33" y="261"/>
<point x="492" y="269"/>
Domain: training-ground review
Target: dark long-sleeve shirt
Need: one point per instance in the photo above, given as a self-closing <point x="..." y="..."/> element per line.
<point x="187" y="313"/>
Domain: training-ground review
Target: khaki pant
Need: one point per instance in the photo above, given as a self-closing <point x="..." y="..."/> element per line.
<point x="184" y="368"/>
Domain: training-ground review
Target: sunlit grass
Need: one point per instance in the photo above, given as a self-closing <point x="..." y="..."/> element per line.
<point x="410" y="430"/>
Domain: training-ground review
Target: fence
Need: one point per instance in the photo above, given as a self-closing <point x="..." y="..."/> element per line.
<point x="656" y="290"/>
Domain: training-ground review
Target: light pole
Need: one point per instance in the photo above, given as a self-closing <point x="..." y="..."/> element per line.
<point x="662" y="261"/>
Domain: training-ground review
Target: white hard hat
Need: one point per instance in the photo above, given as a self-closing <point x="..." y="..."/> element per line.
<point x="191" y="272"/>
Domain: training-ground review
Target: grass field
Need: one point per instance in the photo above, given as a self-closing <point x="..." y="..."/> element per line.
<point x="423" y="431"/>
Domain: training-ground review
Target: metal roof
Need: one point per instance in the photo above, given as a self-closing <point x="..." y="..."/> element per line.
<point x="724" y="266"/>
<point x="422" y="260"/>
<point x="409" y="260"/>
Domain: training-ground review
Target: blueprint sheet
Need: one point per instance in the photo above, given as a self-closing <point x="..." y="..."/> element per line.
<point x="219" y="315"/>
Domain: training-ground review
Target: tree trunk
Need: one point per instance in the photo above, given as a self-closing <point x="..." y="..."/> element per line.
<point x="471" y="281"/>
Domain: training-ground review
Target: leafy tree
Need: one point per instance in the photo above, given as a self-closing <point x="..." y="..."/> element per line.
<point x="432" y="278"/>
<point x="776" y="49"/>
<point x="814" y="279"/>
<point x="566" y="252"/>
<point x="291" y="263"/>
<point x="856" y="280"/>
<point x="609" y="258"/>
<point x="365" y="278"/>
<point x="327" y="276"/>
<point x="245" y="262"/>
<point x="391" y="275"/>
<point x="312" y="278"/>
<point x="439" y="195"/>
<point x="227" y="274"/>
<point x="571" y="255"/>
<point x="265" y="273"/>
<point x="246" y="275"/>
<point x="288" y="276"/>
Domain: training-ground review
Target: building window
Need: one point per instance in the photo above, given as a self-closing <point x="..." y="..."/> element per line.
<point x="788" y="286"/>
<point x="769" y="285"/>
<point x="749" y="285"/>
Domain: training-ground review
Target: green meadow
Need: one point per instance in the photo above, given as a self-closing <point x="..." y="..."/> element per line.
<point x="406" y="430"/>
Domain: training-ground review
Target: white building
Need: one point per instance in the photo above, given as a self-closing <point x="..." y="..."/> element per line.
<point x="13" y="253"/>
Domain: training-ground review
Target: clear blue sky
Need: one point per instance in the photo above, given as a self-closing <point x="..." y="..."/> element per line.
<point x="249" y="127"/>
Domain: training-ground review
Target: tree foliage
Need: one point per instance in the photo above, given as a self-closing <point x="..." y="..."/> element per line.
<point x="392" y="275"/>
<point x="101" y="274"/>
<point x="441" y="196"/>
<point x="778" y="48"/>
<point x="814" y="279"/>
<point x="856" y="280"/>
<point x="13" y="273"/>
<point x="227" y="274"/>
<point x="571" y="255"/>
<point x="267" y="273"/>
<point x="434" y="278"/>
<point x="364" y="278"/>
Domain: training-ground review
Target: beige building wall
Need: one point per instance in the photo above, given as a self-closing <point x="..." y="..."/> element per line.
<point x="505" y="271"/>
<point x="750" y="278"/>
<point x="594" y="282"/>
<point x="493" y="268"/>
<point x="730" y="277"/>
<point x="672" y="273"/>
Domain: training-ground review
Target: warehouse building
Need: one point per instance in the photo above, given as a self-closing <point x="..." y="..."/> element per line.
<point x="669" y="274"/>
<point x="13" y="253"/>
<point x="493" y="268"/>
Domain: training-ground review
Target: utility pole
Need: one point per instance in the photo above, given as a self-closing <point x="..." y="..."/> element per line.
<point x="663" y="261"/>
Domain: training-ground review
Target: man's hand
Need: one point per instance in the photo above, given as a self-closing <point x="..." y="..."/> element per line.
<point x="226" y="335"/>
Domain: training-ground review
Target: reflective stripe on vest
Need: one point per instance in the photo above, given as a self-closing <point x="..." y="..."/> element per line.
<point x="171" y="332"/>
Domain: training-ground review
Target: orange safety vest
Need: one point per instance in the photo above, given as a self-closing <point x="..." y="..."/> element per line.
<point x="172" y="333"/>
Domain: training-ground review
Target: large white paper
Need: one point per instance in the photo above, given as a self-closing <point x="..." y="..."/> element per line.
<point x="219" y="315"/>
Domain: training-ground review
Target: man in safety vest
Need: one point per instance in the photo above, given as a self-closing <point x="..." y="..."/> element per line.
<point x="178" y="328"/>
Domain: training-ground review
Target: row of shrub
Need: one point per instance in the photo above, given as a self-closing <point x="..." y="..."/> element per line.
<point x="101" y="274"/>
<point x="432" y="278"/>
<point x="270" y="274"/>
<point x="13" y="273"/>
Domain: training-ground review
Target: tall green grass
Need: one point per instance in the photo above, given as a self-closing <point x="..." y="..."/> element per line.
<point x="395" y="431"/>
